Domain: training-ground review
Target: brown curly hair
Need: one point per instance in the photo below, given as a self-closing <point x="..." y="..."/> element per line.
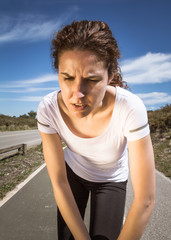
<point x="94" y="36"/>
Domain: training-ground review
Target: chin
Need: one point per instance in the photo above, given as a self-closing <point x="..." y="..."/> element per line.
<point x="80" y="114"/>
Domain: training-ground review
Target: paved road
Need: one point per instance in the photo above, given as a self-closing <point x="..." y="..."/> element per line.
<point x="31" y="213"/>
<point x="159" y="226"/>
<point x="11" y="138"/>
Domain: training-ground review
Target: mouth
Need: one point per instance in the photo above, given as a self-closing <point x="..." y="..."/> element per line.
<point x="79" y="106"/>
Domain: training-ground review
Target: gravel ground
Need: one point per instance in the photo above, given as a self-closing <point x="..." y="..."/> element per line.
<point x="15" y="169"/>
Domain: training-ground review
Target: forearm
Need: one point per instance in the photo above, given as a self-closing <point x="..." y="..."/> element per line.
<point x="136" y="221"/>
<point x="69" y="210"/>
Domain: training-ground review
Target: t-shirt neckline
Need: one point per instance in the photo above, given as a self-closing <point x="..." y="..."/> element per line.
<point x="87" y="139"/>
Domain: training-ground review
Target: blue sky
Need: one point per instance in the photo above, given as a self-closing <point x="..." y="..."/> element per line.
<point x="141" y="27"/>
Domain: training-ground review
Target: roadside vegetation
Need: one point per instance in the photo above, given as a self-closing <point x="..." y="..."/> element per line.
<point x="15" y="169"/>
<point x="23" y="122"/>
<point x="160" y="126"/>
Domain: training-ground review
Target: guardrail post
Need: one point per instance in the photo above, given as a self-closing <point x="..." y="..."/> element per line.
<point x="20" y="149"/>
<point x="24" y="149"/>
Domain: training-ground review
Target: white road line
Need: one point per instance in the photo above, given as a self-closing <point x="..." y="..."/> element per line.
<point x="21" y="185"/>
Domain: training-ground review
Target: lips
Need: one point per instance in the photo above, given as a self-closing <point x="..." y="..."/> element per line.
<point x="79" y="106"/>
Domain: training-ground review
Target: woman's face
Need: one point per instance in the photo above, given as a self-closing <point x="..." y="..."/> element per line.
<point x="83" y="80"/>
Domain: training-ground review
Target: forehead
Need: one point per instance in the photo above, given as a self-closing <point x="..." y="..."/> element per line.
<point x="76" y="60"/>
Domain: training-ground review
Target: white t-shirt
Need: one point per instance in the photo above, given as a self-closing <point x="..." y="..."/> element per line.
<point x="103" y="158"/>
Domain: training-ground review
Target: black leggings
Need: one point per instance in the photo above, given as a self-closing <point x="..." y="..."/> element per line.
<point x="107" y="207"/>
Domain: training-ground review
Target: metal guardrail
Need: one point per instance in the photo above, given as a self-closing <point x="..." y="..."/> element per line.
<point x="22" y="149"/>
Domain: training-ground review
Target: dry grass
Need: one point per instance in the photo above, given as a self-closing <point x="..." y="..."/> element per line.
<point x="15" y="169"/>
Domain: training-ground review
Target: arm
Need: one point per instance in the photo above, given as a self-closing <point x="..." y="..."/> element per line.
<point x="142" y="171"/>
<point x="54" y="157"/>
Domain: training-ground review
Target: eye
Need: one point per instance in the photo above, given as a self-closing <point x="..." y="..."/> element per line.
<point x="93" y="81"/>
<point x="68" y="78"/>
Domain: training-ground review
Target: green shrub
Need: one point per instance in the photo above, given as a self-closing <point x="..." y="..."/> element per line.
<point x="160" y="120"/>
<point x="23" y="122"/>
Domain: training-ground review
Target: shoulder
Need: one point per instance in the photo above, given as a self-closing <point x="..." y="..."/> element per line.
<point x="131" y="113"/>
<point x="50" y="98"/>
<point x="134" y="114"/>
<point x="128" y="101"/>
<point x="47" y="106"/>
<point x="127" y="97"/>
<point x="46" y="112"/>
<point x="48" y="101"/>
<point x="125" y="100"/>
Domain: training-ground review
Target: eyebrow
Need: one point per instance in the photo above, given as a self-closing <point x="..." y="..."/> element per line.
<point x="89" y="77"/>
<point x="66" y="74"/>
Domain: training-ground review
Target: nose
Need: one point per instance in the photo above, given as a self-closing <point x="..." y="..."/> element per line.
<point x="78" y="94"/>
<point x="78" y="90"/>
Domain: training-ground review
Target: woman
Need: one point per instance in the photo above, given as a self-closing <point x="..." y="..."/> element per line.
<point x="98" y="119"/>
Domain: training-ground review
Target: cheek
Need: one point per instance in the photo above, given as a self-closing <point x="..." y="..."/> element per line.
<point x="64" y="89"/>
<point x="97" y="95"/>
<point x="65" y="94"/>
<point x="100" y="89"/>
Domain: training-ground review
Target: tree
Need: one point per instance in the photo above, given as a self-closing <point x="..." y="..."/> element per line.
<point x="32" y="114"/>
<point x="24" y="116"/>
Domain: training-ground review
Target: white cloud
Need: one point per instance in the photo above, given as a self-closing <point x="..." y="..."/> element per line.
<point x="155" y="98"/>
<point x="24" y="99"/>
<point x="31" y="27"/>
<point x="27" y="90"/>
<point x="37" y="85"/>
<point x="30" y="99"/>
<point x="42" y="79"/>
<point x="150" y="68"/>
<point x="28" y="83"/>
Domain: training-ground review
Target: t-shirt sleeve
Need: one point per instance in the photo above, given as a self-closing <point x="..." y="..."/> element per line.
<point x="44" y="122"/>
<point x="136" y="123"/>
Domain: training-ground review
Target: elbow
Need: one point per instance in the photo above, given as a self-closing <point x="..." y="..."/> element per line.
<point x="147" y="207"/>
<point x="146" y="203"/>
<point x="60" y="184"/>
<point x="149" y="203"/>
